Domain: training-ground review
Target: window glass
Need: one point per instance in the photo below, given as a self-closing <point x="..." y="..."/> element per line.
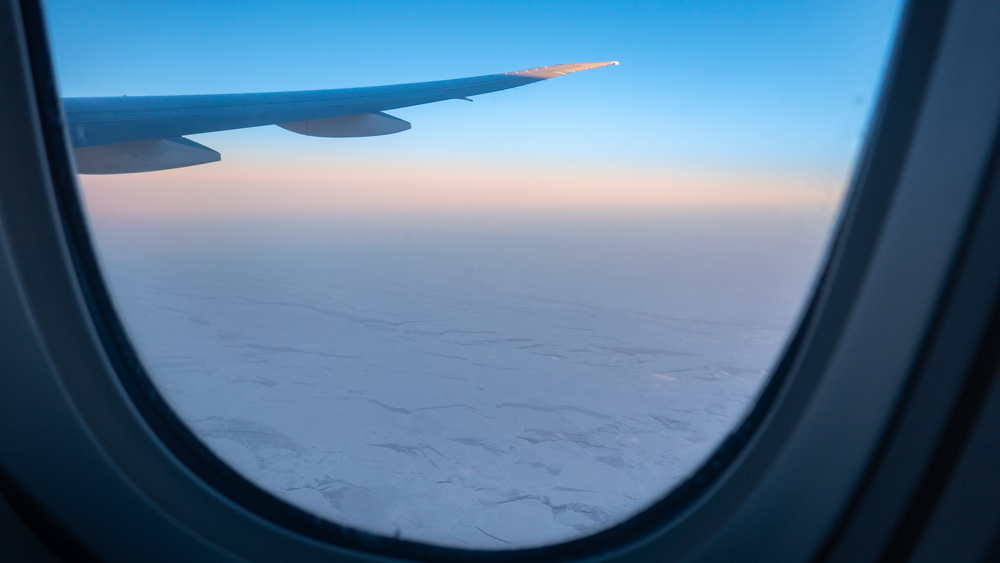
<point x="522" y="320"/>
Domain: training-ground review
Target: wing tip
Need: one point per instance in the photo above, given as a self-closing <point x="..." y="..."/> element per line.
<point x="552" y="71"/>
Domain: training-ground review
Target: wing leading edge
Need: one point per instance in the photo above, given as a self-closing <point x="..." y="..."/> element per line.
<point x="144" y="133"/>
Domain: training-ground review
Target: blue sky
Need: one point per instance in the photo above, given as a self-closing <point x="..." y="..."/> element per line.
<point x="713" y="84"/>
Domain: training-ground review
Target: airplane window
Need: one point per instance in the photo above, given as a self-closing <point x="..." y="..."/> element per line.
<point x="492" y="325"/>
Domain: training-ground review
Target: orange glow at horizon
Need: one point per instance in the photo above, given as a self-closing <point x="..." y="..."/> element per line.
<point x="247" y="188"/>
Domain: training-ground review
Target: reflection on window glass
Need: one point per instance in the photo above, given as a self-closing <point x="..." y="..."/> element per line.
<point x="522" y="320"/>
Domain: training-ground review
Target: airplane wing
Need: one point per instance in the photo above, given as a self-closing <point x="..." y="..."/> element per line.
<point x="117" y="135"/>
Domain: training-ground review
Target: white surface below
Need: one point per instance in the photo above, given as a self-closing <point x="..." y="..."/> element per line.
<point x="464" y="389"/>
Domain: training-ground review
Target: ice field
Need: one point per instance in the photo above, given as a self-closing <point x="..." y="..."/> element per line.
<point x="493" y="384"/>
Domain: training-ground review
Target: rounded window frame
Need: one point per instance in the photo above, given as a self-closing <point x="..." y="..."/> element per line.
<point x="99" y="386"/>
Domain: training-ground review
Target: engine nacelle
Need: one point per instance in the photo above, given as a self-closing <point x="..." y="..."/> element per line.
<point x="360" y="125"/>
<point x="142" y="156"/>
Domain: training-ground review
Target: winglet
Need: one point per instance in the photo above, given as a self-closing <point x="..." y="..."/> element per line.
<point x="553" y="71"/>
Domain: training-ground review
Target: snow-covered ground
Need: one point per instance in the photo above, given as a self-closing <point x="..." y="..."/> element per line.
<point x="481" y="387"/>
